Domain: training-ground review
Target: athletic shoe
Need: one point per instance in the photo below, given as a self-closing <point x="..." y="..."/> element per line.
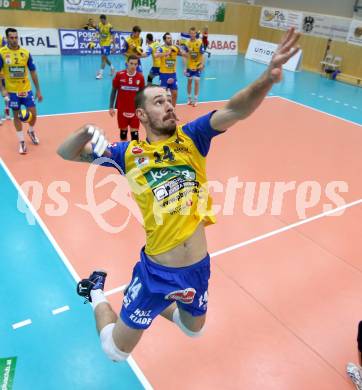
<point x="1" y="121"/>
<point x="99" y="76"/>
<point x="22" y="147"/>
<point x="33" y="137"/>
<point x="354" y="372"/>
<point x="189" y="102"/>
<point x="194" y="104"/>
<point x="94" y="282"/>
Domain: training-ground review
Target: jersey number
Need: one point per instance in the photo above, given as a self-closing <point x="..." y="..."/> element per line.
<point x="167" y="155"/>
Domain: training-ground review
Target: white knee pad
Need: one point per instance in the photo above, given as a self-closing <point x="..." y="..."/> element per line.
<point x="177" y="320"/>
<point x="108" y="345"/>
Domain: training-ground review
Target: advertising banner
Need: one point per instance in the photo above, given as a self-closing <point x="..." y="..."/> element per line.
<point x="39" y="41"/>
<point x="86" y="42"/>
<point x="325" y="26"/>
<point x="212" y="11"/>
<point x="355" y="32"/>
<point x="261" y="51"/>
<point x="108" y="7"/>
<point x="33" y="5"/>
<point x="280" y="18"/>
<point x="155" y="9"/>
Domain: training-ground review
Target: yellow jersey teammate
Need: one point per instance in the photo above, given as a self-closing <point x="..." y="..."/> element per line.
<point x="132" y="45"/>
<point x="194" y="64"/>
<point x="168" y="54"/>
<point x="167" y="174"/>
<point x="6" y="100"/>
<point x="14" y="63"/>
<point x="105" y="31"/>
<point x="153" y="46"/>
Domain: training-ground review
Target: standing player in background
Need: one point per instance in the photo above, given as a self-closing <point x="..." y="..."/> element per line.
<point x="156" y="61"/>
<point x="105" y="40"/>
<point x="133" y="46"/>
<point x="14" y="63"/>
<point x="125" y="85"/>
<point x="6" y="99"/>
<point x="194" y="64"/>
<point x="205" y="40"/>
<point x="168" y="54"/>
<point x="354" y="371"/>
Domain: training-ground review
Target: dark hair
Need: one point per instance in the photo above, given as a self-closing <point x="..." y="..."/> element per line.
<point x="103" y="17"/>
<point x="149" y="37"/>
<point x="132" y="57"/>
<point x="165" y="35"/>
<point x="141" y="96"/>
<point x="192" y="29"/>
<point x="10" y="30"/>
<point x="136" y="29"/>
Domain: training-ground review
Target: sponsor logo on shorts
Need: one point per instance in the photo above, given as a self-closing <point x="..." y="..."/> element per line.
<point x="185" y="296"/>
<point x="137" y="150"/>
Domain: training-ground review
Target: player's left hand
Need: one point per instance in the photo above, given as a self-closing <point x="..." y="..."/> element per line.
<point x="39" y="96"/>
<point x="201" y="67"/>
<point x="283" y="53"/>
<point x="112" y="112"/>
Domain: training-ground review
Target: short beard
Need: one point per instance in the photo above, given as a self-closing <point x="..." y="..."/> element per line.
<point x="163" y="130"/>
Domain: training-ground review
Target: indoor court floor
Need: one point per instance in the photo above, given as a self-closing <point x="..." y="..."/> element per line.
<point x="286" y="285"/>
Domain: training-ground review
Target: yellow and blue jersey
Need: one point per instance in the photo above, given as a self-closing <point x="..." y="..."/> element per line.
<point x="168" y="181"/>
<point x="168" y="63"/>
<point x="195" y="52"/>
<point x="2" y="41"/>
<point x="105" y="34"/>
<point x="14" y="65"/>
<point x="152" y="50"/>
<point x="131" y="46"/>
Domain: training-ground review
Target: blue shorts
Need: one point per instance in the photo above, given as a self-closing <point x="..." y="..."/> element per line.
<point x="154" y="287"/>
<point x="155" y="71"/>
<point x="22" y="98"/>
<point x="166" y="76"/>
<point x="105" y="50"/>
<point x="193" y="73"/>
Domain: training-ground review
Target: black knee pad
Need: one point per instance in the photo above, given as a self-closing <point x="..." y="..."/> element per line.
<point x="134" y="135"/>
<point x="149" y="79"/>
<point x="359" y="336"/>
<point x="123" y="135"/>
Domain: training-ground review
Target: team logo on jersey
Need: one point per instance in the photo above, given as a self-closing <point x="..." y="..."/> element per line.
<point x="141" y="161"/>
<point x="137" y="82"/>
<point x="185" y="296"/>
<point x="136" y="150"/>
<point x="7" y="59"/>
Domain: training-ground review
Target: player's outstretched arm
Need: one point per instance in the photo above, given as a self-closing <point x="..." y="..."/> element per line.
<point x="244" y="102"/>
<point x="84" y="144"/>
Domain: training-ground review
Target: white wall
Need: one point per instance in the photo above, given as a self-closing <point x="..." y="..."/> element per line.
<point x="330" y="7"/>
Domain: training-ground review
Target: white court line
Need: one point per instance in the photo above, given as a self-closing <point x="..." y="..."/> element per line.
<point x="285" y="228"/>
<point x="210" y="78"/>
<point x="315" y="109"/>
<point x="116" y="290"/>
<point x="270" y="234"/>
<point x="60" y="310"/>
<point x="21" y="324"/>
<point x="67" y="264"/>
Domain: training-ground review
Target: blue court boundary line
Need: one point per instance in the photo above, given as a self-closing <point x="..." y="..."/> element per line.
<point x="132" y="363"/>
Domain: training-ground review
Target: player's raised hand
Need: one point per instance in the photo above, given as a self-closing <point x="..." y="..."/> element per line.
<point x="283" y="53"/>
<point x="97" y="138"/>
<point x="112" y="112"/>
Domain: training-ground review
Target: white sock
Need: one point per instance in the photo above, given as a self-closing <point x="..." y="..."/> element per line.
<point x="196" y="97"/>
<point x="20" y="136"/>
<point x="97" y="297"/>
<point x="100" y="71"/>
